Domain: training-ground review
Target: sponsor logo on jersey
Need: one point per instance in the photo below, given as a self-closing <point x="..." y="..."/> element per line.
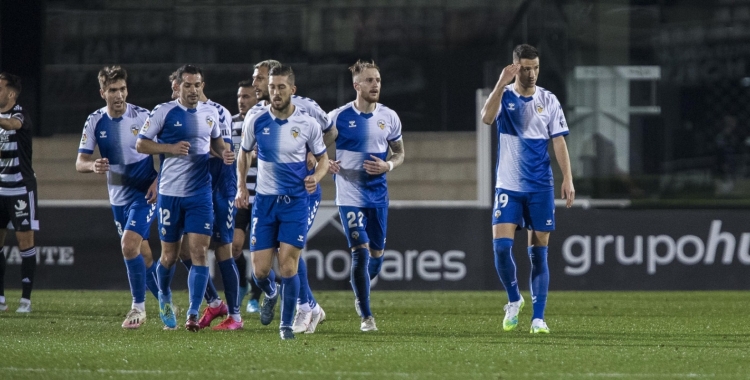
<point x="381" y="124"/>
<point x="549" y="222"/>
<point x="210" y="121"/>
<point x="84" y="139"/>
<point x="207" y="226"/>
<point x="511" y="106"/>
<point x="300" y="238"/>
<point x="295" y="132"/>
<point x="539" y="108"/>
<point x="352" y="124"/>
<point x="266" y="131"/>
<point x="20" y="205"/>
<point x="132" y="223"/>
<point x="102" y="134"/>
<point x="178" y="124"/>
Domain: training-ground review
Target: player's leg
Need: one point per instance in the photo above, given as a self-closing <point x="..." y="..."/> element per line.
<point x="306" y="302"/>
<point x="354" y="223"/>
<point x="376" y="225"/>
<point x="148" y="257"/>
<point x="211" y="295"/>
<point x="25" y="222"/>
<point x="288" y="261"/>
<point x="137" y="222"/>
<point x="507" y="215"/>
<point x="3" y="259"/>
<point x="171" y="223"/>
<point x="199" y="220"/>
<point x="241" y="262"/>
<point x="241" y="224"/>
<point x="264" y="231"/>
<point x="542" y="222"/>
<point x="223" y="236"/>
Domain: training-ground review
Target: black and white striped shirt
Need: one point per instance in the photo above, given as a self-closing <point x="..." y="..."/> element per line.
<point x="252" y="171"/>
<point x="16" y="174"/>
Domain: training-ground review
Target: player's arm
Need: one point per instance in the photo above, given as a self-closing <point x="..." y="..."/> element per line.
<point x="311" y="181"/>
<point x="85" y="163"/>
<point x="223" y="150"/>
<point x="563" y="159"/>
<point x="492" y="105"/>
<point x="244" y="160"/>
<point x="329" y="136"/>
<point x="10" y="124"/>
<point x="147" y="146"/>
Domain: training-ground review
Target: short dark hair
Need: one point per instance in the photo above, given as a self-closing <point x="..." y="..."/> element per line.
<point x="283" y="71"/>
<point x="111" y="74"/>
<point x="14" y="81"/>
<point x="245" y="83"/>
<point x="188" y="69"/>
<point x="269" y="64"/>
<point x="360" y="66"/>
<point x="524" y="51"/>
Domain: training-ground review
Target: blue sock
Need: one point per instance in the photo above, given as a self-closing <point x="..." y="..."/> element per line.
<point x="268" y="284"/>
<point x="164" y="277"/>
<point x="211" y="293"/>
<point x="539" y="280"/>
<point x="231" y="279"/>
<point x="361" y="280"/>
<point x="188" y="263"/>
<point x="304" y="286"/>
<point x="151" y="282"/>
<point x="373" y="267"/>
<point x="197" y="280"/>
<point x="289" y="294"/>
<point x="137" y="277"/>
<point x="506" y="267"/>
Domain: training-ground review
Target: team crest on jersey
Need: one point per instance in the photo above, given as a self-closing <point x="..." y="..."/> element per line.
<point x="210" y="121"/>
<point x="511" y="106"/>
<point x="381" y="124"/>
<point x="134" y="128"/>
<point x="539" y="108"/>
<point x="295" y="132"/>
<point x="144" y="129"/>
<point x="355" y="235"/>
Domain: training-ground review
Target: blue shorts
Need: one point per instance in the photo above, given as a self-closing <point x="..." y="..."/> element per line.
<point x="224" y="213"/>
<point x="184" y="215"/>
<point x="135" y="216"/>
<point x="532" y="210"/>
<point x="314" y="204"/>
<point x="278" y="219"/>
<point x="364" y="225"/>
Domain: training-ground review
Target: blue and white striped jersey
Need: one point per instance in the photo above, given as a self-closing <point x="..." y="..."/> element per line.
<point x="170" y="123"/>
<point x="524" y="126"/>
<point x="360" y="136"/>
<point x="223" y="177"/>
<point x="130" y="173"/>
<point x="282" y="150"/>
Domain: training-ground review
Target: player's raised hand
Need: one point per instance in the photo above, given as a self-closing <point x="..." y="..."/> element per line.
<point x="568" y="192"/>
<point x="151" y="193"/>
<point x="228" y="156"/>
<point x="509" y="72"/>
<point x="311" y="184"/>
<point x="334" y="166"/>
<point x="181" y="148"/>
<point x="376" y="166"/>
<point x="242" y="200"/>
<point x="101" y="165"/>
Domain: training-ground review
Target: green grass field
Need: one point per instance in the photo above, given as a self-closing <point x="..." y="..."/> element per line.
<point x="423" y="335"/>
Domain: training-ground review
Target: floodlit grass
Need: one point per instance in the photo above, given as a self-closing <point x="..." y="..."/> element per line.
<point x="423" y="335"/>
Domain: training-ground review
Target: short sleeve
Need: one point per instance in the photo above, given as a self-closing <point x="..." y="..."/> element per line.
<point x="557" y="126"/>
<point x="153" y="125"/>
<point x="248" y="133"/>
<point x="395" y="132"/>
<point x="217" y="129"/>
<point x="315" y="142"/>
<point x="88" y="139"/>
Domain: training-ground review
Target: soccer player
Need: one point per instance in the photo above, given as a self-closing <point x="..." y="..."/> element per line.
<point x="283" y="134"/>
<point x="224" y="185"/>
<point x="365" y="131"/>
<point x="309" y="312"/>
<point x="527" y="117"/>
<point x="246" y="99"/>
<point x="186" y="130"/>
<point x="18" y="196"/>
<point x="131" y="181"/>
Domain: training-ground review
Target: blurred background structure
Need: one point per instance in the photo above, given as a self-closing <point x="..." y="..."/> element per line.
<point x="656" y="93"/>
